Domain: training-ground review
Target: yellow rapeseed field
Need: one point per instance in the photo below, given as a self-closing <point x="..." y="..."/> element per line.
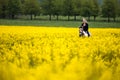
<point x="58" y="53"/>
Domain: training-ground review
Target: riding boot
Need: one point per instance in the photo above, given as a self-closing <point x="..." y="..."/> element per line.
<point x="88" y="34"/>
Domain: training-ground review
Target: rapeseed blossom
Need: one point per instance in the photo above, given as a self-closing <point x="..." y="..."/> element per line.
<point x="51" y="53"/>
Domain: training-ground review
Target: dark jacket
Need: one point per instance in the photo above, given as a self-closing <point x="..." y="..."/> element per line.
<point x="85" y="28"/>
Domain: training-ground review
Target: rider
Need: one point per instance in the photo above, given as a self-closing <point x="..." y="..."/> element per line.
<point x="84" y="27"/>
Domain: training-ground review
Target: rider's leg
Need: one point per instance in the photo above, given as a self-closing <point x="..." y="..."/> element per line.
<point x="88" y="33"/>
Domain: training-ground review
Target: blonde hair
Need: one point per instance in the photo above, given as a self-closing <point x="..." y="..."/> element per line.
<point x="84" y="20"/>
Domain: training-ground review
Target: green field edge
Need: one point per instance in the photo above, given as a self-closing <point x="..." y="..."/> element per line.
<point x="71" y="24"/>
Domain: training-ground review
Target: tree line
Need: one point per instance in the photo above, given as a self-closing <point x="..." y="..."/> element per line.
<point x="86" y="8"/>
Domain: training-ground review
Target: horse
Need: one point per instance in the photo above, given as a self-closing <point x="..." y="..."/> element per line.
<point x="83" y="33"/>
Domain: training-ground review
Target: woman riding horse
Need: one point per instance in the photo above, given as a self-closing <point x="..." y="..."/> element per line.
<point x="83" y="29"/>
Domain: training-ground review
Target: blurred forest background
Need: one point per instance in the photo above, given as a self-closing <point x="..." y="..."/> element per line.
<point x="95" y="10"/>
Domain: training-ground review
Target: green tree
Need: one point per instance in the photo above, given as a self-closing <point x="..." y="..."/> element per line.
<point x="109" y="9"/>
<point x="3" y="8"/>
<point x="76" y="8"/>
<point x="115" y="9"/>
<point x="68" y="8"/>
<point x="22" y="7"/>
<point x="14" y="8"/>
<point x="47" y="7"/>
<point x="57" y="7"/>
<point x="95" y="9"/>
<point x="86" y="9"/>
<point x="32" y="7"/>
<point x="119" y="8"/>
